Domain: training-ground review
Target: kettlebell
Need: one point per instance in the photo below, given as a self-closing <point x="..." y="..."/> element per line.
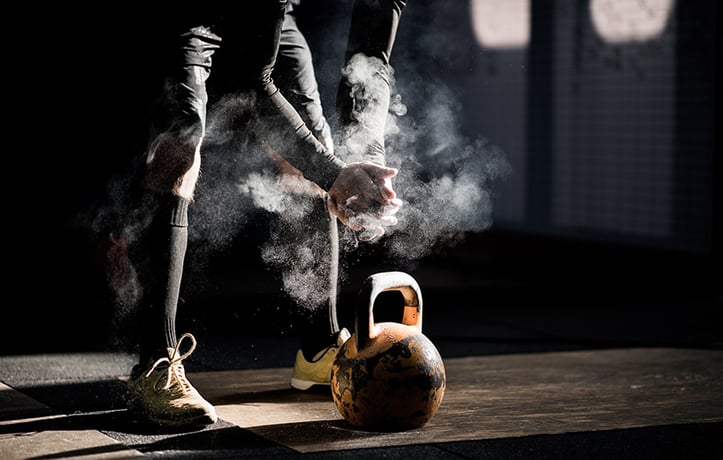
<point x="388" y="376"/>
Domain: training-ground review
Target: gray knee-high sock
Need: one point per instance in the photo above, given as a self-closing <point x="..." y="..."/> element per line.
<point x="166" y="249"/>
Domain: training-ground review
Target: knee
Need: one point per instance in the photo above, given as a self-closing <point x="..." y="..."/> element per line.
<point x="173" y="159"/>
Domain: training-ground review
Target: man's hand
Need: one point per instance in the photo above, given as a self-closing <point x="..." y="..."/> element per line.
<point x="363" y="199"/>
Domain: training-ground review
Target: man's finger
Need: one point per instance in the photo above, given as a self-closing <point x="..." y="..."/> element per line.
<point x="388" y="220"/>
<point x="392" y="208"/>
<point x="383" y="172"/>
<point x="370" y="234"/>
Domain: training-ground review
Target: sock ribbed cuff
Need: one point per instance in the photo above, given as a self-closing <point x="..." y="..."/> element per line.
<point x="178" y="211"/>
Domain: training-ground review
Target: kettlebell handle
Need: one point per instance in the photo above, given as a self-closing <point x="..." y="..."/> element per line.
<point x="371" y="288"/>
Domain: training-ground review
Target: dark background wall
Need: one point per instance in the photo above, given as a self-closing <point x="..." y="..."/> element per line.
<point x="597" y="165"/>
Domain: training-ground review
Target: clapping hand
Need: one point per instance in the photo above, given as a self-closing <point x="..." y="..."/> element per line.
<point x="363" y="199"/>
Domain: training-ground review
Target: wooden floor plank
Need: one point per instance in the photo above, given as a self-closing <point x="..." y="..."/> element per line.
<point x="492" y="397"/>
<point x="18" y="443"/>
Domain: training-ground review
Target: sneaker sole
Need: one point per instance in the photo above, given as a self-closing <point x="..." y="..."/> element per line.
<point x="197" y="421"/>
<point x="184" y="423"/>
<point x="306" y="384"/>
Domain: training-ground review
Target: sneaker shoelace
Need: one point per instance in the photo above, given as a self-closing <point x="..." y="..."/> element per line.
<point x="175" y="375"/>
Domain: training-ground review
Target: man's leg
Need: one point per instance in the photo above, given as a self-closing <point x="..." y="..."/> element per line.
<point x="306" y="244"/>
<point x="305" y="250"/>
<point x="158" y="387"/>
<point x="311" y="280"/>
<point x="320" y="335"/>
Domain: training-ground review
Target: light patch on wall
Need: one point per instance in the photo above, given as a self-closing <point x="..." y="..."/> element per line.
<point x="625" y="21"/>
<point x="501" y="24"/>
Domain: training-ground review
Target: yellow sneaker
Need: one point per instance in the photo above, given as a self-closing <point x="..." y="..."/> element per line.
<point x="318" y="370"/>
<point x="163" y="395"/>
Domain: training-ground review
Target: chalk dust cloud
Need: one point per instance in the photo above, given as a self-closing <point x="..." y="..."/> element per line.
<point x="446" y="182"/>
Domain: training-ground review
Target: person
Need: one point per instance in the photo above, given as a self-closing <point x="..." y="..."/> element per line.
<point x="357" y="191"/>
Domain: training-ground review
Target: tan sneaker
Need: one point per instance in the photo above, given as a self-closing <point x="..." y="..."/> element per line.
<point x="317" y="371"/>
<point x="164" y="396"/>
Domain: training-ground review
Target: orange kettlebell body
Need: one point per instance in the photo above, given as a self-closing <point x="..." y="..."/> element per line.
<point x="391" y="376"/>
